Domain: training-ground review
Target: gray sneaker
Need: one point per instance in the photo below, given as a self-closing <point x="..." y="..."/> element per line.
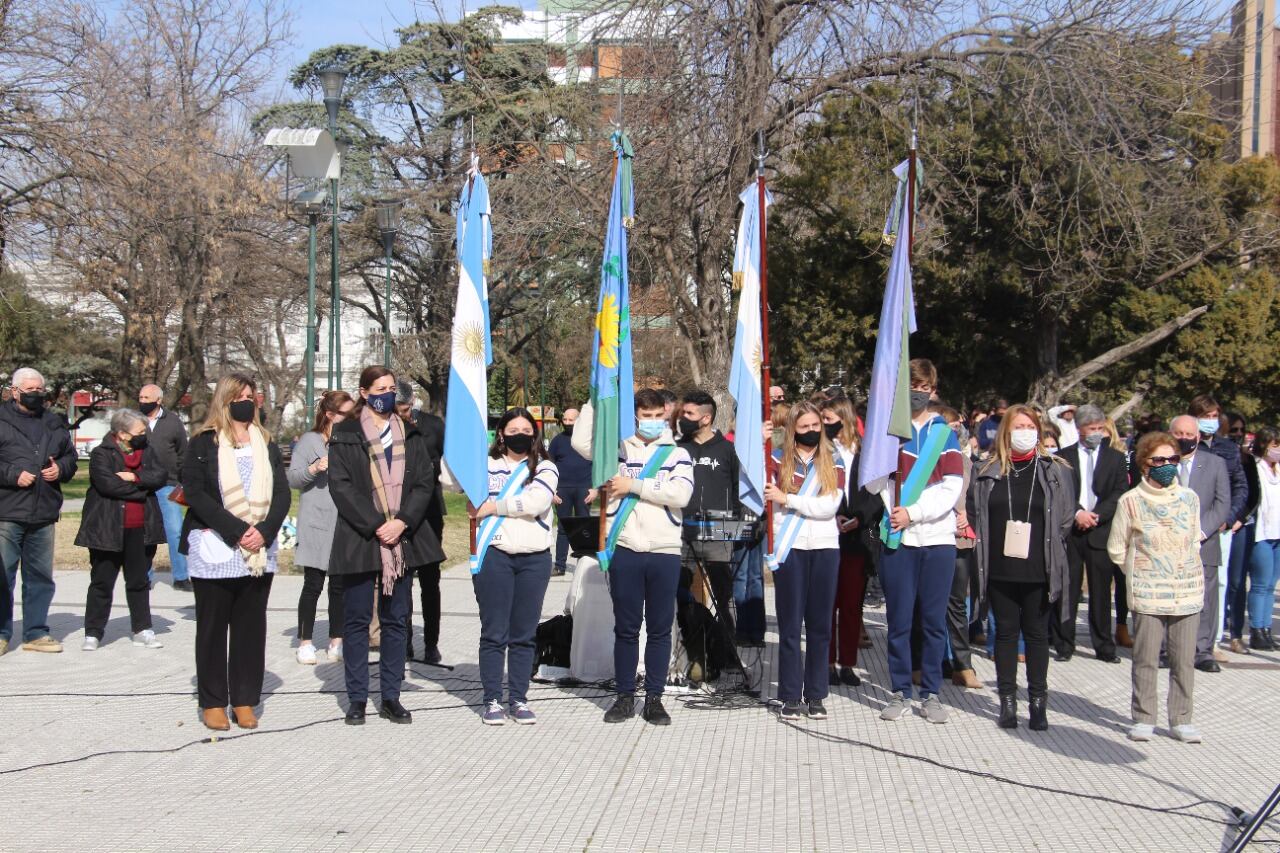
<point x="934" y="711"/>
<point x="899" y="705"/>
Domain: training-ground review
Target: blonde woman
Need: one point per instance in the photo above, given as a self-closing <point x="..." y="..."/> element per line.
<point x="1155" y="539"/>
<point x="806" y="485"/>
<point x="1021" y="504"/>
<point x="237" y="497"/>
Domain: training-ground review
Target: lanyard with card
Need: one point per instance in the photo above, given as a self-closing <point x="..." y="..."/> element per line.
<point x="1017" y="534"/>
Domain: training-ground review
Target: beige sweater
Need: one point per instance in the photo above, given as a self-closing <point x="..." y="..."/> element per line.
<point x="1155" y="540"/>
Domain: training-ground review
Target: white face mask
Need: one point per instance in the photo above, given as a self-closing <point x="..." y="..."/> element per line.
<point x="1023" y="440"/>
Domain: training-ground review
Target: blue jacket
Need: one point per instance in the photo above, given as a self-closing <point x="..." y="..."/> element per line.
<point x="1229" y="452"/>
<point x="27" y="442"/>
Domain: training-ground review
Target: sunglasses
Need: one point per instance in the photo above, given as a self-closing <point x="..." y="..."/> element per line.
<point x="1165" y="460"/>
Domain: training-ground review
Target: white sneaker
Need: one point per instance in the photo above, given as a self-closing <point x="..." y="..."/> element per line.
<point x="1186" y="733"/>
<point x="335" y="652"/>
<point x="90" y="644"/>
<point x="307" y="654"/>
<point x="147" y="639"/>
<point x="1141" y="731"/>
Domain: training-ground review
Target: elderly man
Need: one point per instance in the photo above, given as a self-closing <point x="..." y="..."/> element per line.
<point x="1206" y="474"/>
<point x="169" y="440"/>
<point x="1101" y="476"/>
<point x="36" y="457"/>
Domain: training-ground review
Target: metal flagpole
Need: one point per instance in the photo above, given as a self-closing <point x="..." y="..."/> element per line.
<point x="766" y="376"/>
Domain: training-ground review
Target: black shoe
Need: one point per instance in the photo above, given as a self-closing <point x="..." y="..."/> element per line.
<point x="557" y="571"/>
<point x="654" y="713"/>
<point x="395" y="712"/>
<point x="1039" y="713"/>
<point x="408" y="651"/>
<point x="833" y="676"/>
<point x="1111" y="658"/>
<point x="1164" y="661"/>
<point x="849" y="677"/>
<point x="1271" y="642"/>
<point x="790" y="712"/>
<point x="1008" y="712"/>
<point x="623" y="708"/>
<point x="355" y="714"/>
<point x="947" y="669"/>
<point x="1063" y="657"/>
<point x="183" y="586"/>
<point x="1208" y="665"/>
<point x="431" y="654"/>
<point x="817" y="711"/>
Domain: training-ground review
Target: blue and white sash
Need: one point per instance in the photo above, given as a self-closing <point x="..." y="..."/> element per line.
<point x="792" y="521"/>
<point x="489" y="526"/>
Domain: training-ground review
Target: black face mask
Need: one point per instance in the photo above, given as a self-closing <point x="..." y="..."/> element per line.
<point x="243" y="411"/>
<point x="567" y="429"/>
<point x="32" y="401"/>
<point x="138" y="442"/>
<point x="518" y="443"/>
<point x="1188" y="445"/>
<point x="809" y="439"/>
<point x="833" y="430"/>
<point x="689" y="427"/>
<point x="920" y="401"/>
<point x="148" y="408"/>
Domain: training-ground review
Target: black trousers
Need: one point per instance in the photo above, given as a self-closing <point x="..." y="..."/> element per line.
<point x="231" y="672"/>
<point x="1102" y="573"/>
<point x="958" y="611"/>
<point x="1062" y="632"/>
<point x="312" y="584"/>
<point x="573" y="503"/>
<point x="429" y="590"/>
<point x="105" y="567"/>
<point x="1021" y="607"/>
<point x="393" y="611"/>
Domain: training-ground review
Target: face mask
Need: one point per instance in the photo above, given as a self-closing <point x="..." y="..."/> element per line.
<point x="138" y="442"/>
<point x="1208" y="426"/>
<point x="809" y="439"/>
<point x="1093" y="440"/>
<point x="1023" y="440"/>
<point x="382" y="403"/>
<point x="1164" y="474"/>
<point x="688" y="427"/>
<point x="1237" y="440"/>
<point x="567" y="429"/>
<point x="1273" y="455"/>
<point x="148" y="408"/>
<point x="518" y="443"/>
<point x="651" y="428"/>
<point x="32" y="402"/>
<point x="919" y="401"/>
<point x="1187" y="446"/>
<point x="833" y="430"/>
<point x="243" y="411"/>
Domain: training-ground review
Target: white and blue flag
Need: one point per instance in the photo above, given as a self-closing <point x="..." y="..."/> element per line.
<point x="466" y="430"/>
<point x="744" y="371"/>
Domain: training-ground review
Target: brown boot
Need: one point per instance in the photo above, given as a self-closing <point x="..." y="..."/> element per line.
<point x="1238" y="647"/>
<point x="244" y="717"/>
<point x="216" y="719"/>
<point x="864" y="642"/>
<point x="1123" y="640"/>
<point x="966" y="678"/>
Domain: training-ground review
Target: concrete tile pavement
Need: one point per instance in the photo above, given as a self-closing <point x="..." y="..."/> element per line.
<point x="118" y="760"/>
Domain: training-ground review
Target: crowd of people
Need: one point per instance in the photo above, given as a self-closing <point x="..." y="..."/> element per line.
<point x="987" y="533"/>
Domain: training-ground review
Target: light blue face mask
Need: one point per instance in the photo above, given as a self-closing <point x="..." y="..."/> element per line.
<point x="651" y="428"/>
<point x="1208" y="426"/>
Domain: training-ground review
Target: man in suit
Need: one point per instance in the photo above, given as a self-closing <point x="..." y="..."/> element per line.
<point x="1206" y="475"/>
<point x="1100" y="476"/>
<point x="432" y="426"/>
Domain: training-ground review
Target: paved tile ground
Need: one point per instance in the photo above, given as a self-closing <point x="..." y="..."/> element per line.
<point x="104" y="751"/>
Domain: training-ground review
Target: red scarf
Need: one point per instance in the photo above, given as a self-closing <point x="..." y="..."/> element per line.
<point x="135" y="511"/>
<point x="1021" y="457"/>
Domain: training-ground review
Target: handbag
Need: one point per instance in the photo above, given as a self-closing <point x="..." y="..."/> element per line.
<point x="178" y="496"/>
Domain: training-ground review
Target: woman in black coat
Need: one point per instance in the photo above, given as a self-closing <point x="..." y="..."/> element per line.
<point x="121" y="526"/>
<point x="381" y="478"/>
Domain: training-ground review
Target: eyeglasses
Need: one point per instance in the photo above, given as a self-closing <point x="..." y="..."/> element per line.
<point x="1165" y="460"/>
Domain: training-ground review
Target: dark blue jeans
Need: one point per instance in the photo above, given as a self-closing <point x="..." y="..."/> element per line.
<point x="1238" y="580"/>
<point x="804" y="590"/>
<point x="29" y="547"/>
<point x="574" y="504"/>
<point x="909" y="576"/>
<point x="643" y="589"/>
<point x="393" y="612"/>
<point x="748" y="591"/>
<point x="509" y="590"/>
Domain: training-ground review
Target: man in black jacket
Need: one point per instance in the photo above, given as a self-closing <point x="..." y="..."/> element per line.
<point x="715" y="498"/>
<point x="432" y="427"/>
<point x="36" y="457"/>
<point x="169" y="441"/>
<point x="1100" y="476"/>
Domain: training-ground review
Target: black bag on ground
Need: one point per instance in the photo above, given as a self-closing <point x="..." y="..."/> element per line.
<point x="553" y="640"/>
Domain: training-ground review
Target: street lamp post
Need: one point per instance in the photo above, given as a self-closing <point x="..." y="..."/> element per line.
<point x="388" y="227"/>
<point x="312" y="204"/>
<point x="332" y="78"/>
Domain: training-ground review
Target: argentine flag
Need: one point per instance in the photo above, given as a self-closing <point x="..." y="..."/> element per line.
<point x="467" y="425"/>
<point x="744" y="371"/>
